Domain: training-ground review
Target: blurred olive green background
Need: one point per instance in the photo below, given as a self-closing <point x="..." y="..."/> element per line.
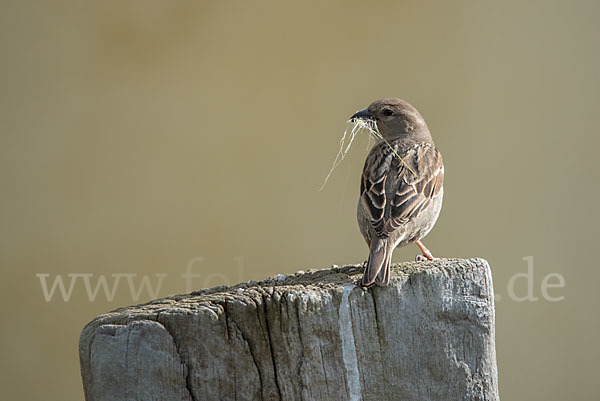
<point x="137" y="136"/>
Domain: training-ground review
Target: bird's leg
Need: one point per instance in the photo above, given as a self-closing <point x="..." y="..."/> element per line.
<point x="426" y="253"/>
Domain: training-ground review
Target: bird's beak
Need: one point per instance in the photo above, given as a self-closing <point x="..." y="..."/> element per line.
<point x="363" y="114"/>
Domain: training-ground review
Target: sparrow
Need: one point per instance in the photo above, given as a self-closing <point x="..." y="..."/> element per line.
<point x="401" y="187"/>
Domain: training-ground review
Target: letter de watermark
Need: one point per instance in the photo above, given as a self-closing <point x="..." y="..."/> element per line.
<point x="552" y="280"/>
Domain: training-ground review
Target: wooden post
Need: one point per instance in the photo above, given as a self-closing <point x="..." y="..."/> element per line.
<point x="429" y="335"/>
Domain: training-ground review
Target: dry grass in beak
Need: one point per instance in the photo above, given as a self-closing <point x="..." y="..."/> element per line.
<point x="352" y="129"/>
<point x="355" y="127"/>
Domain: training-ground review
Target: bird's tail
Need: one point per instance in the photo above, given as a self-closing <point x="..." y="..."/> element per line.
<point x="378" y="265"/>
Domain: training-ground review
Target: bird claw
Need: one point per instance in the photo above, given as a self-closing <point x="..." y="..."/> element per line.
<point x="425" y="258"/>
<point x="360" y="285"/>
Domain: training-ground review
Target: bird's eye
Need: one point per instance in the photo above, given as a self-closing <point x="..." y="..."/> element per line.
<point x="387" y="112"/>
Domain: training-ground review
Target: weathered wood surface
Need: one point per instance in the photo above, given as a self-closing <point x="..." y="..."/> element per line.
<point x="308" y="336"/>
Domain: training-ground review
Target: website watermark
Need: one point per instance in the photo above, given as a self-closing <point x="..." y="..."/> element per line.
<point x="523" y="286"/>
<point x="105" y="287"/>
<point x="549" y="283"/>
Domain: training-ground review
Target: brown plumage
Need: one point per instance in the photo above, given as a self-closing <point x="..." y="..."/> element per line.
<point x="401" y="187"/>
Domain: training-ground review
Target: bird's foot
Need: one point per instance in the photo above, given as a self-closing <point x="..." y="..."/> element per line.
<point x="360" y="285"/>
<point x="425" y="258"/>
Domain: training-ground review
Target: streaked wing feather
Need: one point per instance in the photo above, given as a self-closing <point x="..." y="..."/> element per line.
<point x="411" y="194"/>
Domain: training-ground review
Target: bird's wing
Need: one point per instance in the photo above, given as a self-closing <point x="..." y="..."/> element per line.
<point x="394" y="190"/>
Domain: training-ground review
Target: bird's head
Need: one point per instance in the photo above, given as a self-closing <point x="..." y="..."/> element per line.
<point x="395" y="119"/>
